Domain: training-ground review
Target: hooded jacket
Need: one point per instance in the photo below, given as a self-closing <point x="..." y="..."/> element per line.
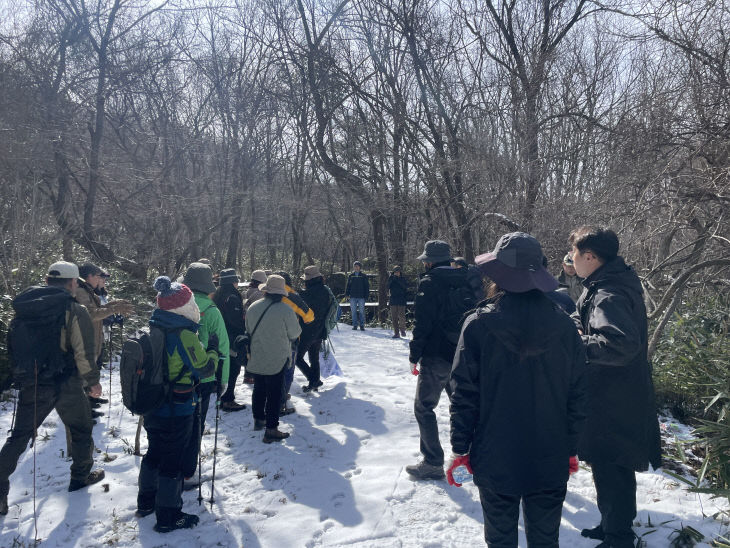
<point x="211" y="321"/>
<point x="622" y="426"/>
<point x="518" y="394"/>
<point x="186" y="355"/>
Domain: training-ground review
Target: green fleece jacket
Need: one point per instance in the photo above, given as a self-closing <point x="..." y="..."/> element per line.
<point x="211" y="321"/>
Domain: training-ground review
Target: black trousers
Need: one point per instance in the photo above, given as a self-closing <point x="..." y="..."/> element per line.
<point x="311" y="348"/>
<point x="233" y="373"/>
<point x="70" y="402"/>
<point x="433" y="379"/>
<point x="190" y="458"/>
<point x="616" y="494"/>
<point x="541" y="511"/>
<point x="161" y="471"/>
<point x="266" y="398"/>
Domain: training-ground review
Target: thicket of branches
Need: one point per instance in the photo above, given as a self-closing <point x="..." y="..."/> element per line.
<point x="282" y="132"/>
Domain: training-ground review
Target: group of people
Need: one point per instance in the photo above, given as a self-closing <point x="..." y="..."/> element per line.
<point x="533" y="388"/>
<point x="533" y="384"/>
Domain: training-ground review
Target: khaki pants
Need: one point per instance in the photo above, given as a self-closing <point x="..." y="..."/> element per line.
<point x="398" y="314"/>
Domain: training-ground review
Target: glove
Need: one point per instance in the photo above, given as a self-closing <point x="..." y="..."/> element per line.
<point x="212" y="343"/>
<point x="572" y="465"/>
<point x="414" y="369"/>
<point x="456" y="461"/>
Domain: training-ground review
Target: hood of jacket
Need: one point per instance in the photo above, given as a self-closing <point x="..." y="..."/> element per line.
<point x="164" y="319"/>
<point x="617" y="273"/>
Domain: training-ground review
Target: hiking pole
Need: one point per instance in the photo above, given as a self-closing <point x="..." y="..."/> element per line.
<point x="35" y="433"/>
<point x="218" y="391"/>
<point x="111" y="326"/>
<point x="15" y="406"/>
<point x="200" y="460"/>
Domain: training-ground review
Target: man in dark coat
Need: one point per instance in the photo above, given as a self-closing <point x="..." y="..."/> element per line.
<point x="518" y="396"/>
<point x="318" y="298"/>
<point x="434" y="348"/>
<point x="398" y="287"/>
<point x="357" y="289"/>
<point x="622" y="431"/>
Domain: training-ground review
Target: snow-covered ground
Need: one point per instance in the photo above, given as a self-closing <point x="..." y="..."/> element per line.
<point x="339" y="480"/>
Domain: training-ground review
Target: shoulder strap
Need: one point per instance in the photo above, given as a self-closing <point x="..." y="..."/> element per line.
<point x="259" y="320"/>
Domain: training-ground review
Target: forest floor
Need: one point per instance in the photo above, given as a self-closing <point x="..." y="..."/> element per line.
<point x="339" y="480"/>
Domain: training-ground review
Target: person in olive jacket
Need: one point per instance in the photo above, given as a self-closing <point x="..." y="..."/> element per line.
<point x="272" y="326"/>
<point x="621" y="436"/>
<point x="518" y="396"/>
<point x="398" y="287"/>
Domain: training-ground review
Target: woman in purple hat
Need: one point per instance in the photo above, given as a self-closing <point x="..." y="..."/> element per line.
<point x="518" y="396"/>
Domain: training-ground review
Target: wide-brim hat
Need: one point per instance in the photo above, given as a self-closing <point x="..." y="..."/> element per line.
<point x="275" y="285"/>
<point x="199" y="277"/>
<point x="516" y="264"/>
<point x="258" y="276"/>
<point x="435" y="251"/>
<point x="311" y="272"/>
<point x="228" y="276"/>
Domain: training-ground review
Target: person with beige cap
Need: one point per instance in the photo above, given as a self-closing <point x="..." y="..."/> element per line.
<point x="254" y="293"/>
<point x="272" y="326"/>
<point x="51" y="339"/>
<point x="318" y="297"/>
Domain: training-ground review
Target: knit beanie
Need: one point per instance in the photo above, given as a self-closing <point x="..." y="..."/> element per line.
<point x="176" y="298"/>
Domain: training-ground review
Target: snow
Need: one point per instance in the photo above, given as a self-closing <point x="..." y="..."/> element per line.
<point x="339" y="480"/>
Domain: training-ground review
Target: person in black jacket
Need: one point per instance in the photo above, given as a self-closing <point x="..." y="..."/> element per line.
<point x="318" y="298"/>
<point x="518" y="396"/>
<point x="433" y="345"/>
<point x="230" y="302"/>
<point x="398" y="287"/>
<point x="622" y="431"/>
<point x="357" y="289"/>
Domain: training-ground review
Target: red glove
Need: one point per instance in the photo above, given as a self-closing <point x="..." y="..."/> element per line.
<point x="414" y="369"/>
<point x="572" y="465"/>
<point x="456" y="461"/>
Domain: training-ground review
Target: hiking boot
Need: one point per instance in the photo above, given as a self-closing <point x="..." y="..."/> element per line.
<point x="259" y="425"/>
<point x="362" y="328"/>
<point x="312" y="386"/>
<point x="402" y="333"/>
<point x="274" y="434"/>
<point x="396" y="336"/>
<point x="143" y="512"/>
<point x="95" y="405"/>
<point x="94" y="477"/>
<point x="286" y="410"/>
<point x="354" y="328"/>
<point x="180" y="521"/>
<point x="232" y="406"/>
<point x="596" y="533"/>
<point x="425" y="471"/>
<point x="98" y="400"/>
<point x="96" y="414"/>
<point x="4" y="505"/>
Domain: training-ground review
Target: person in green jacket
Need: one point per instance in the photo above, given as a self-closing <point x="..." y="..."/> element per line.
<point x="272" y="326"/>
<point x="212" y="333"/>
<point x="170" y="427"/>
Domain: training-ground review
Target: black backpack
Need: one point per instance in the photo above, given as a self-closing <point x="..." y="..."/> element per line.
<point x="458" y="301"/>
<point x="34" y="336"/>
<point x="143" y="371"/>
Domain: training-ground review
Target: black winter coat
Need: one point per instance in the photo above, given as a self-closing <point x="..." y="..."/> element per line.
<point x="518" y="394"/>
<point x="230" y="302"/>
<point x="358" y="286"/>
<point x="429" y="339"/>
<point x="318" y="299"/>
<point x="622" y="426"/>
<point x="398" y="287"/>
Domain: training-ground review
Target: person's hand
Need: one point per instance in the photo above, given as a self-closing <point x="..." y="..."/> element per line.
<point x="572" y="465"/>
<point x="456" y="461"/>
<point x="414" y="369"/>
<point x="95" y="391"/>
<point x="212" y="342"/>
<point x="122" y="307"/>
